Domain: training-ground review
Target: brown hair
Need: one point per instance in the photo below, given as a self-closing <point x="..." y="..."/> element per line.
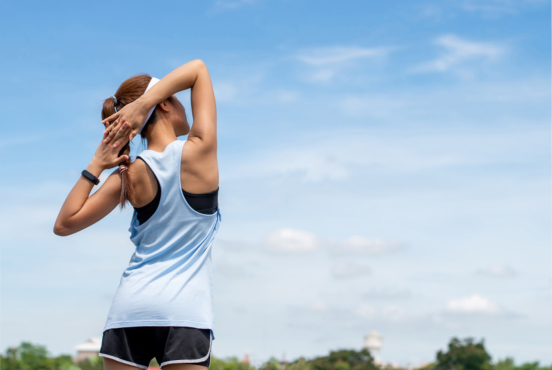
<point x="129" y="91"/>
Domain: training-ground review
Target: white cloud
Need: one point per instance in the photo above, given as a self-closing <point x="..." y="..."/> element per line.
<point x="393" y="313"/>
<point x="349" y="270"/>
<point x="458" y="52"/>
<point x="387" y="294"/>
<point x="360" y="245"/>
<point x="472" y="304"/>
<point x="323" y="75"/>
<point x="225" y="91"/>
<point x="287" y="96"/>
<point x="343" y="156"/>
<point x="292" y="241"/>
<point x="498" y="271"/>
<point x="365" y="311"/>
<point x="339" y="54"/>
<point x="329" y="61"/>
<point x="312" y="165"/>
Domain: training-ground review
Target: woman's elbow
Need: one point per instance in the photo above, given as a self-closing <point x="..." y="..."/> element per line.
<point x="199" y="62"/>
<point x="61" y="230"/>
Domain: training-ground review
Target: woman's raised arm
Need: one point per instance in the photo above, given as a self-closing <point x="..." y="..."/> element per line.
<point x="125" y="124"/>
<point x="81" y="210"/>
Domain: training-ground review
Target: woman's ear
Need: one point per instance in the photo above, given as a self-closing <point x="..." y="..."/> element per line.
<point x="164" y="105"/>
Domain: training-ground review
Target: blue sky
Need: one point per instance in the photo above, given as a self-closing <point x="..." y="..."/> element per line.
<point x="384" y="166"/>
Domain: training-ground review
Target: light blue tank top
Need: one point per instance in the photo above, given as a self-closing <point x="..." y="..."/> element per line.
<point x="168" y="280"/>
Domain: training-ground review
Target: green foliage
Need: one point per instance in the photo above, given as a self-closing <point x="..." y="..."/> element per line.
<point x="91" y="363"/>
<point x="231" y="363"/>
<point x="29" y="356"/>
<point x="153" y="363"/>
<point x="430" y="366"/>
<point x="300" y="364"/>
<point x="461" y="355"/>
<point x="272" y="365"/>
<point x="464" y="355"/>
<point x="65" y="362"/>
<point x="508" y="364"/>
<point x="529" y="366"/>
<point x="337" y="360"/>
<point x="10" y="361"/>
<point x="34" y="357"/>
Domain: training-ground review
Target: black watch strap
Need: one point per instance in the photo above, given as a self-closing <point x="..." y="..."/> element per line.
<point x="90" y="177"/>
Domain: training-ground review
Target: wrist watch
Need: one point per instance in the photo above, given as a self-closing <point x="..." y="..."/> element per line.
<point x="90" y="177"/>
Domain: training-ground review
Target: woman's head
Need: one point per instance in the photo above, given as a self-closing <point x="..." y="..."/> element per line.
<point x="170" y="112"/>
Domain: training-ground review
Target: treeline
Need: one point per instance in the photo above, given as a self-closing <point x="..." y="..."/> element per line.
<point x="36" y="357"/>
<point x="336" y="360"/>
<point x="464" y="354"/>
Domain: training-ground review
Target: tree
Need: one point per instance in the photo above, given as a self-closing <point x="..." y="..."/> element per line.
<point x="91" y="363"/>
<point x="529" y="366"/>
<point x="464" y="355"/>
<point x="64" y="362"/>
<point x="231" y="363"/>
<point x="11" y="361"/>
<point x="338" y="360"/>
<point x="300" y="364"/>
<point x="506" y="364"/>
<point x="271" y="364"/>
<point x="34" y="357"/>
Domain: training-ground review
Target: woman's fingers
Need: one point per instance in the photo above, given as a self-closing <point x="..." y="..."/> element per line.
<point x="112" y="134"/>
<point x="111" y="118"/>
<point x="121" y="135"/>
<point x="117" y="161"/>
<point x="122" y="140"/>
<point x="124" y="159"/>
<point x="114" y="129"/>
<point x="108" y="128"/>
<point x="133" y="134"/>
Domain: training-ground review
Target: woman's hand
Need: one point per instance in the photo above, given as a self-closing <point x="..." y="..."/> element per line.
<point x="107" y="156"/>
<point x="126" y="123"/>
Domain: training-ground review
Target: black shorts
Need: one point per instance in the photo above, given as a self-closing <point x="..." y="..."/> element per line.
<point x="137" y="346"/>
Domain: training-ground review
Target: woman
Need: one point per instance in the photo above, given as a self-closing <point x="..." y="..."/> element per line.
<point x="163" y="306"/>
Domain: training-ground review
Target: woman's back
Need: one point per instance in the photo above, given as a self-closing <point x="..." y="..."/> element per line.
<point x="168" y="280"/>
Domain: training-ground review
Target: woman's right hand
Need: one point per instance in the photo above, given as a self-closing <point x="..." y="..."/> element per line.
<point x="107" y="156"/>
<point x="126" y="123"/>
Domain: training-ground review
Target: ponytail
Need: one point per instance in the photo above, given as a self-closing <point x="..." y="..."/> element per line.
<point x="129" y="91"/>
<point x="127" y="191"/>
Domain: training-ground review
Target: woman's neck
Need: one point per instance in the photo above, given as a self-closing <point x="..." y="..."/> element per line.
<point x="161" y="135"/>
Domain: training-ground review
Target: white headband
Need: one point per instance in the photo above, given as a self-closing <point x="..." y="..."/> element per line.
<point x="152" y="82"/>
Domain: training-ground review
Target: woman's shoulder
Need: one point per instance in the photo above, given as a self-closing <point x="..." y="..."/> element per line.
<point x="143" y="181"/>
<point x="138" y="169"/>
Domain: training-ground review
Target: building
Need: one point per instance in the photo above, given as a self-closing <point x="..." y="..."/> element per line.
<point x="246" y="359"/>
<point x="90" y="348"/>
<point x="373" y="343"/>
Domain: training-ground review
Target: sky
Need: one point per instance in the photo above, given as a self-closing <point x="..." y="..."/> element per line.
<point x="384" y="165"/>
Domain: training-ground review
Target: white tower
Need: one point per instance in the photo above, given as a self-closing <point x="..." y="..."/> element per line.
<point x="373" y="343"/>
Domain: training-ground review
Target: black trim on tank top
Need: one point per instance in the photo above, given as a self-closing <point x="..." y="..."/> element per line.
<point x="144" y="213"/>
<point x="205" y="203"/>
